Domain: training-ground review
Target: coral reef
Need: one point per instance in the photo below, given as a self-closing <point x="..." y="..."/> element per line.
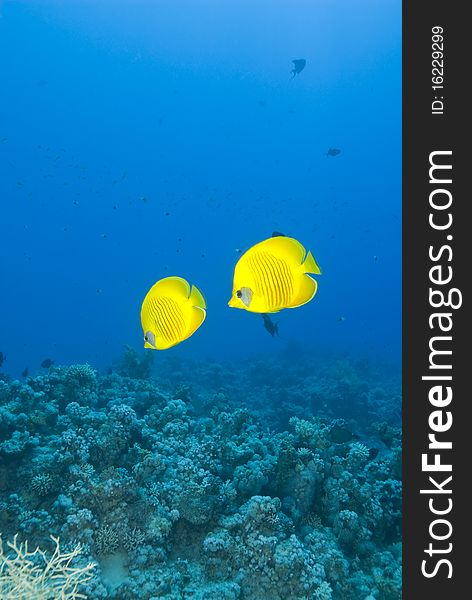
<point x="277" y="478"/>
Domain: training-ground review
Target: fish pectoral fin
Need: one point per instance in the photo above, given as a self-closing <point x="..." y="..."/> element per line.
<point x="310" y="265"/>
<point x="306" y="291"/>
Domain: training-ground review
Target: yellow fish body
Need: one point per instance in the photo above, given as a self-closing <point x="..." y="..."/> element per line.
<point x="273" y="275"/>
<point x="171" y="312"/>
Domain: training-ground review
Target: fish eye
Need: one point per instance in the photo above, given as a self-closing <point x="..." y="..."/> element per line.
<point x="239" y="294"/>
<point x="146" y="338"/>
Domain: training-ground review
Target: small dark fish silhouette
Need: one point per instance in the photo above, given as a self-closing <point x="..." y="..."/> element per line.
<point x="298" y="66"/>
<point x="340" y="434"/>
<point x="333" y="152"/>
<point x="25" y="372"/>
<point x="47" y="363"/>
<point x="3" y="358"/>
<point x="373" y="452"/>
<point x="278" y="234"/>
<point x="270" y="326"/>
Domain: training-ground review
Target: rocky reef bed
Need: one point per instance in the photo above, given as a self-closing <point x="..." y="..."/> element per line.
<point x="209" y="481"/>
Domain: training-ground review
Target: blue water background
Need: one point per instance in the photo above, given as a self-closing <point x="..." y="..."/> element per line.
<point x="184" y="117"/>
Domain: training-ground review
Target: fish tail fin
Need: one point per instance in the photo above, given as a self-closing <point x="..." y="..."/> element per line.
<point x="310" y="265"/>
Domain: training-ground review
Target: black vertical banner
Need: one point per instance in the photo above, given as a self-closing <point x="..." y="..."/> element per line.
<point x="437" y="266"/>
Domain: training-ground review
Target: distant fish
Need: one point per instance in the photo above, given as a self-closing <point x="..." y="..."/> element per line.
<point x="171" y="312"/>
<point x="25" y="372"/>
<point x="3" y="358"/>
<point x="341" y="319"/>
<point x="340" y="434"/>
<point x="278" y="234"/>
<point x="273" y="275"/>
<point x="333" y="152"/>
<point x="47" y="363"/>
<point x="270" y="326"/>
<point x="373" y="453"/>
<point x="298" y="66"/>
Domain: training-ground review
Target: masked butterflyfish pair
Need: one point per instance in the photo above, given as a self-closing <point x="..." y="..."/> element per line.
<point x="272" y="275"/>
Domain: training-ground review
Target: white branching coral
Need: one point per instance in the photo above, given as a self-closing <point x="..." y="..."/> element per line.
<point x="33" y="575"/>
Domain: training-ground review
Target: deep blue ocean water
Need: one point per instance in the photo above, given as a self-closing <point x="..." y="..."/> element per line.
<point x="141" y="139"/>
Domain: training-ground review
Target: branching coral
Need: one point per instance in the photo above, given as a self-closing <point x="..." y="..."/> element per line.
<point x="35" y="575"/>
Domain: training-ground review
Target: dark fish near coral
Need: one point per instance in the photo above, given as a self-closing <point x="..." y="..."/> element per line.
<point x="298" y="66"/>
<point x="47" y="363"/>
<point x="3" y="358"/>
<point x="340" y="434"/>
<point x="333" y="152"/>
<point x="373" y="452"/>
<point x="25" y="372"/>
<point x="270" y="326"/>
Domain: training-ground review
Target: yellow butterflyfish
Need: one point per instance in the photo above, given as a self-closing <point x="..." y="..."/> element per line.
<point x="273" y="275"/>
<point x="171" y="312"/>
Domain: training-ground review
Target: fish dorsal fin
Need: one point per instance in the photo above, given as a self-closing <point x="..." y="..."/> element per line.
<point x="173" y="286"/>
<point x="285" y="247"/>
